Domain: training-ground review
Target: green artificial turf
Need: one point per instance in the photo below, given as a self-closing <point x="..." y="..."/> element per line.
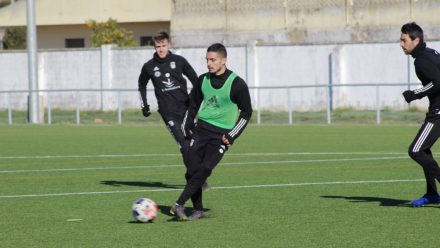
<point x="278" y="186"/>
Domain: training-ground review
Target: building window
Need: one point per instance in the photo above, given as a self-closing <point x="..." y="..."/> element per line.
<point x="75" y="43"/>
<point x="146" y="41"/>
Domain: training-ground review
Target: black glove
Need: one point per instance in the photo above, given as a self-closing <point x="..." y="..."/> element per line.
<point x="187" y="132"/>
<point x="146" y="110"/>
<point x="409" y="96"/>
<point x="227" y="140"/>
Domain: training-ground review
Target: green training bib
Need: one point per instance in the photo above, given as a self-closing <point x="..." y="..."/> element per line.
<point x="218" y="108"/>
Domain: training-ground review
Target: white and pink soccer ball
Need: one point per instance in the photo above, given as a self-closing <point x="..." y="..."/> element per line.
<point x="144" y="210"/>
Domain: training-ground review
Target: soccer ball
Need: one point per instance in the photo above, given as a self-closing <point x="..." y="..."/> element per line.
<point x="144" y="210"/>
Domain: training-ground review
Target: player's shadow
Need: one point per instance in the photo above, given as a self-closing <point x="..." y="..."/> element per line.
<point x="142" y="184"/>
<point x="384" y="202"/>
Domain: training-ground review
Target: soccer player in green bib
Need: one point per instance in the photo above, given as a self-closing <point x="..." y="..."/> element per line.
<point x="221" y="101"/>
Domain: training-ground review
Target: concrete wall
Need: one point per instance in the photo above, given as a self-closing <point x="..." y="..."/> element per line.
<point x="233" y="22"/>
<point x="118" y="68"/>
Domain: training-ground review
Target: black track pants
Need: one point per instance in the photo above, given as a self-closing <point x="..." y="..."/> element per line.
<point x="420" y="151"/>
<point x="173" y="125"/>
<point x="205" y="152"/>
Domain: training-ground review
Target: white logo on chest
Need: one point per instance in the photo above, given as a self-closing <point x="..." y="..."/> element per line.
<point x="168" y="83"/>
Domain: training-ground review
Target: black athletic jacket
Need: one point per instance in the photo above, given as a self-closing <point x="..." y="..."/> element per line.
<point x="169" y="84"/>
<point x="239" y="95"/>
<point x="427" y="66"/>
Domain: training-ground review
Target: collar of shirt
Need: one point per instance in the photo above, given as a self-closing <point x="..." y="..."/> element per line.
<point x="221" y="77"/>
<point x="418" y="49"/>
<point x="217" y="81"/>
<point x="162" y="60"/>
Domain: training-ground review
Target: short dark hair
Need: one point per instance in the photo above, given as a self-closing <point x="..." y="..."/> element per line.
<point x="159" y="36"/>
<point x="218" y="48"/>
<point x="413" y="31"/>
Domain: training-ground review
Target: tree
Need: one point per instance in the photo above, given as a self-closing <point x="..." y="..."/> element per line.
<point x="110" y="33"/>
<point x="15" y="38"/>
<point x="3" y="3"/>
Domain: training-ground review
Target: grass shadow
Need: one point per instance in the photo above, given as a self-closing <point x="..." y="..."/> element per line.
<point x="385" y="202"/>
<point x="142" y="184"/>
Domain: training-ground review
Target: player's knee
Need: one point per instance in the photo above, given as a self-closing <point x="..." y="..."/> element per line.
<point x="414" y="154"/>
<point x="205" y="171"/>
<point x="190" y="160"/>
<point x="188" y="176"/>
<point x="411" y="153"/>
<point x="200" y="174"/>
<point x="191" y="172"/>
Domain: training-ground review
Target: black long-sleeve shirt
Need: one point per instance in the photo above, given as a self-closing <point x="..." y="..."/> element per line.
<point x="239" y="95"/>
<point x="169" y="84"/>
<point x="427" y="67"/>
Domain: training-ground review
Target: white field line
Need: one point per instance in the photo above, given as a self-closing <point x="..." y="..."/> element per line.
<point x="221" y="164"/>
<point x="178" y="155"/>
<point x="214" y="188"/>
<point x="89" y="156"/>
